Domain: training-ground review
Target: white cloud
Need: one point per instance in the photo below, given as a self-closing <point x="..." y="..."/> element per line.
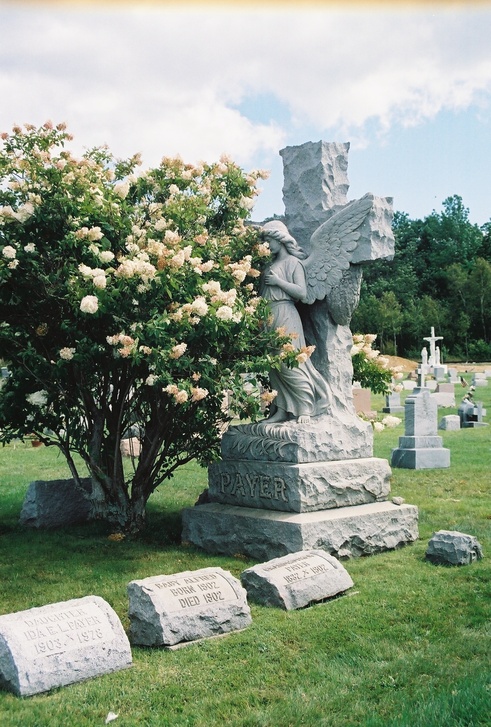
<point x="163" y="80"/>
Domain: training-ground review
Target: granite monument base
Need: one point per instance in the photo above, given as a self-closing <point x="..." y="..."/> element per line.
<point x="421" y="459"/>
<point x="264" y="534"/>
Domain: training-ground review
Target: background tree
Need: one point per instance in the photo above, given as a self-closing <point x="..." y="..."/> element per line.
<point x="128" y="304"/>
<point x="437" y="279"/>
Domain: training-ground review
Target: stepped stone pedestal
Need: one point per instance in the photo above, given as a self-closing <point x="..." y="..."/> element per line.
<point x="266" y="509"/>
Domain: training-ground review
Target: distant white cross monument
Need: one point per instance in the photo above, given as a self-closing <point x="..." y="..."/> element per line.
<point x="432" y="341"/>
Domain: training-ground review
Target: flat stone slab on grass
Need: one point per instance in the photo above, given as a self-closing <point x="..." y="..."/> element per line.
<point x="166" y="610"/>
<point x="61" y="643"/>
<point x="265" y="534"/>
<point x="296" y="580"/>
<point x="454" y="548"/>
<point x="55" y="503"/>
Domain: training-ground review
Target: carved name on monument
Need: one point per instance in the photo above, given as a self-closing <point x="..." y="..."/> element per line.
<point x="169" y="609"/>
<point x="299" y="487"/>
<point x="60" y="643"/>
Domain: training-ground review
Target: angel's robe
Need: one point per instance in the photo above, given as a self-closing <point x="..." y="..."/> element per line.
<point x="301" y="391"/>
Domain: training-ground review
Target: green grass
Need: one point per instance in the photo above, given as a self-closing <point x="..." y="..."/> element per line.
<point x="409" y="647"/>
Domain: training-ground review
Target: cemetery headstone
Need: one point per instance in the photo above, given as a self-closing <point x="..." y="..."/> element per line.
<point x="61" y="643"/>
<point x="168" y="610"/>
<point x="263" y="493"/>
<point x="420" y="447"/>
<point x="451" y="422"/>
<point x="56" y="503"/>
<point x="296" y="580"/>
<point x="453" y="375"/>
<point x="393" y="403"/>
<point x="471" y="414"/>
<point x="362" y="400"/>
<point x="454" y="548"/>
<point x="479" y="379"/>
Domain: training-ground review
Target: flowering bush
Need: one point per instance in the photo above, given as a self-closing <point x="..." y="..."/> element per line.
<point x="128" y="302"/>
<point x="370" y="369"/>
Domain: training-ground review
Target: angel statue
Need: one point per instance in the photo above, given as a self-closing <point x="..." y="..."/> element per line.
<point x="301" y="392"/>
<point x="312" y="296"/>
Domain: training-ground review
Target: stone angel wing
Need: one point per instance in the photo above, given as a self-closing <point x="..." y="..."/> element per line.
<point x="333" y="246"/>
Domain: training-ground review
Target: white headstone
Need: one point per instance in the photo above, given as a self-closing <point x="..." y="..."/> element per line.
<point x="420" y="447"/>
<point x="166" y="610"/>
<point x="61" y="643"/>
<point x="296" y="580"/>
<point x="451" y="422"/>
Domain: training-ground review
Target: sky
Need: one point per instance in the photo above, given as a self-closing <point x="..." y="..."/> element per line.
<point x="407" y="84"/>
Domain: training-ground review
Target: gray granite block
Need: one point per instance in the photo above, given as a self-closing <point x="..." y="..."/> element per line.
<point x="299" y="487"/>
<point x="61" y="643"/>
<point x="421" y="459"/>
<point x="296" y="580"/>
<point x="264" y="534"/>
<point x="55" y="503"/>
<point x="454" y="548"/>
<point x="166" y="610"/>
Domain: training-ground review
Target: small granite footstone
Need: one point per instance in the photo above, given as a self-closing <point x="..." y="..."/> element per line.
<point x="166" y="610"/>
<point x="61" y="643"/>
<point x="450" y="546"/>
<point x="296" y="580"/>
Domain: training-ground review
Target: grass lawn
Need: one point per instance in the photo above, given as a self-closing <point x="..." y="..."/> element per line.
<point x="410" y="646"/>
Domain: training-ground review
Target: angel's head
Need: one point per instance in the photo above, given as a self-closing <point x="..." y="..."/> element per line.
<point x="277" y="230"/>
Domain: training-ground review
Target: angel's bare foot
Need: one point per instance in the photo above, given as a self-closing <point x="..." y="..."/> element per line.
<point x="304" y="419"/>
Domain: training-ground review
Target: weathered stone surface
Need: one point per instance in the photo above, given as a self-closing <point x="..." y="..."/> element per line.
<point x="61" y="643"/>
<point x="166" y="610"/>
<point x="451" y="422"/>
<point x="264" y="534"/>
<point x="55" y="503"/>
<point x="450" y="546"/>
<point x="316" y="181"/>
<point x="322" y="439"/>
<point x="299" y="487"/>
<point x="296" y="580"/>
